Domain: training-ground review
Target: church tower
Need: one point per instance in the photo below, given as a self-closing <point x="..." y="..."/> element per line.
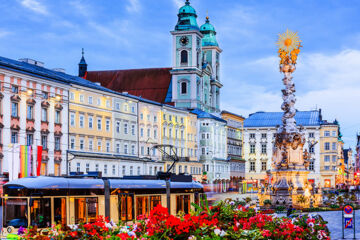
<point x="186" y="60"/>
<point x="211" y="59"/>
<point x="82" y="65"/>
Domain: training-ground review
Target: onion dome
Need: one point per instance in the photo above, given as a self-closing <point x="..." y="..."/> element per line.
<point x="186" y="18"/>
<point x="208" y="30"/>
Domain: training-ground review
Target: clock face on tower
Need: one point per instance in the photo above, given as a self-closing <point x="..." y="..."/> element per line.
<point x="184" y="40"/>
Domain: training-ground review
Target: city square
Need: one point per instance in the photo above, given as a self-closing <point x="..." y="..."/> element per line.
<point x="249" y="132"/>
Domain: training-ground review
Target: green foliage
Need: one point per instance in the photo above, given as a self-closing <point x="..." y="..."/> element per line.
<point x="333" y="206"/>
<point x="340" y="200"/>
<point x="247" y="199"/>
<point x="280" y="208"/>
<point x="267" y="202"/>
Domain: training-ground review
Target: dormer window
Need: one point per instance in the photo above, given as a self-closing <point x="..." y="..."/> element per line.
<point x="184" y="58"/>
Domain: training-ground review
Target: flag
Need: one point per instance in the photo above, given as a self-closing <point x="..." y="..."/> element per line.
<point x="39" y="156"/>
<point x="25" y="161"/>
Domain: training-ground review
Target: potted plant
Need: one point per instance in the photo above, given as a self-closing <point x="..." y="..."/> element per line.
<point x="267" y="203"/>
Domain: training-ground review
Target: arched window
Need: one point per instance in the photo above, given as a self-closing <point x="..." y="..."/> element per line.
<point x="183" y="88"/>
<point x="184" y="57"/>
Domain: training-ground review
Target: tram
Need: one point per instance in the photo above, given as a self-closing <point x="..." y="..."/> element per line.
<point x="43" y="201"/>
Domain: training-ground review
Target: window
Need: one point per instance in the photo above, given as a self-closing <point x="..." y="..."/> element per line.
<point x="170" y="118"/>
<point x="99" y="123"/>
<point x="72" y="119"/>
<point x="133" y="130"/>
<point x="263" y="166"/>
<point x="91" y="120"/>
<point x="133" y="149"/>
<point x="96" y="167"/>
<point x="334" y="146"/>
<point x="141" y="132"/>
<point x="148" y="117"/>
<point x="72" y="96"/>
<point x="107" y="125"/>
<point x="327" y="158"/>
<point x="14" y="109"/>
<point x="81" y="144"/>
<point x="118" y="148"/>
<point x="263" y="148"/>
<point x="164" y="131"/>
<point x="170" y="133"/>
<point x="105" y="168"/>
<point x="327" y="146"/>
<point x="44" y="141"/>
<point x="15" y="89"/>
<point x="108" y="103"/>
<point x="57" y="116"/>
<point x="57" y="143"/>
<point x="72" y="143"/>
<point x="99" y="102"/>
<point x="14" y="137"/>
<point x="90" y="100"/>
<point x="117" y="106"/>
<point x="263" y="135"/>
<point x="183" y="57"/>
<point x="182" y="120"/>
<point x="81" y="121"/>
<point x="311" y="134"/>
<point x="252" y="148"/>
<point x="117" y="127"/>
<point x="164" y="116"/>
<point x="126" y="128"/>
<point x="252" y="135"/>
<point x="183" y="203"/>
<point x="113" y="170"/>
<point x="180" y="169"/>
<point x="150" y="170"/>
<point x="30" y="112"/>
<point x="182" y="134"/>
<point x="138" y="171"/>
<point x="334" y="158"/>
<point x="99" y="145"/>
<point x="142" y="150"/>
<point x="148" y="132"/>
<point x="327" y="133"/>
<point x="155" y="133"/>
<point x="186" y="169"/>
<point x="87" y="169"/>
<point x="141" y="116"/>
<point x="29" y="139"/>
<point x="334" y="133"/>
<point x="334" y="168"/>
<point x="81" y="98"/>
<point x="107" y="146"/>
<point x="311" y="150"/>
<point x="155" y="119"/>
<point x="131" y="170"/>
<point x="91" y="143"/>
<point x="44" y="117"/>
<point x="125" y="148"/>
<point x="183" y="88"/>
<point x="125" y="107"/>
<point x="252" y="166"/>
<point x="132" y="109"/>
<point x="123" y="170"/>
<point x="327" y="168"/>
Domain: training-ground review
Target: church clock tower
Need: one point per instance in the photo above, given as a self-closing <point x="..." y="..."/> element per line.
<point x="186" y="60"/>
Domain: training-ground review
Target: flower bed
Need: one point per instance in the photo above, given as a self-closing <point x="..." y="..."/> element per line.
<point x="226" y="220"/>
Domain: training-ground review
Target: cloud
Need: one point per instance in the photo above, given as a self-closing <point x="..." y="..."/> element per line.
<point x="178" y="3"/>
<point x="133" y="6"/>
<point x="4" y="33"/>
<point x="326" y="81"/>
<point x="35" y="6"/>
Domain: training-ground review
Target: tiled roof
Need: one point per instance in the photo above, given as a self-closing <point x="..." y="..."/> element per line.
<point x="273" y="119"/>
<point x="151" y="83"/>
<point x="202" y="114"/>
<point x="48" y="74"/>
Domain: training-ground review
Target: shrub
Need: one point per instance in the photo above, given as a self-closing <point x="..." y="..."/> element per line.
<point x="267" y="202"/>
<point x="280" y="208"/>
<point x="333" y="206"/>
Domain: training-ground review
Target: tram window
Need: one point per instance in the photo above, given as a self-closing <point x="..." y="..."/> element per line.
<point x="86" y="210"/>
<point x="40" y="212"/>
<point x="15" y="213"/>
<point x="154" y="201"/>
<point x="183" y="203"/>
<point x="126" y="207"/>
<point x="60" y="210"/>
<point x="142" y="206"/>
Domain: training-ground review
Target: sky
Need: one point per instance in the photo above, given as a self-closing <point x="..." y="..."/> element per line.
<point x="126" y="34"/>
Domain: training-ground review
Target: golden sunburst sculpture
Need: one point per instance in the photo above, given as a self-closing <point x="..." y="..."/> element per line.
<point x="289" y="47"/>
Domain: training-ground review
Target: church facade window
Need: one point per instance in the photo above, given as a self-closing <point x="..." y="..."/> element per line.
<point x="183" y="58"/>
<point x="183" y="87"/>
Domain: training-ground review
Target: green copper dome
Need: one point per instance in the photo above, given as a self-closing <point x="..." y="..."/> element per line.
<point x="208" y="30"/>
<point x="187" y="18"/>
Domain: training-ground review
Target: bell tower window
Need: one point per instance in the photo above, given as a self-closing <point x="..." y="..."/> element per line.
<point x="183" y="58"/>
<point x="183" y="88"/>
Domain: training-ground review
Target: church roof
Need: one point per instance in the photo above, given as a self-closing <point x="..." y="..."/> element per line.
<point x="273" y="119"/>
<point x="149" y="83"/>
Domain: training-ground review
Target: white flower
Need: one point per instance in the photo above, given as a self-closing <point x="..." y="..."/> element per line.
<point x="222" y="233"/>
<point x="217" y="231"/>
<point x="311" y="224"/>
<point x="192" y="237"/>
<point x="232" y="203"/>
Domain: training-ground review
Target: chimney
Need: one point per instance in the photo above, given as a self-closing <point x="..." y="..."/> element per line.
<point x="32" y="61"/>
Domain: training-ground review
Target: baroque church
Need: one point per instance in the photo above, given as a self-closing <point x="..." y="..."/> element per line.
<point x="192" y="83"/>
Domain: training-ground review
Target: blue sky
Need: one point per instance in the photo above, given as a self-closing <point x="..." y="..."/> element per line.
<point x="122" y="34"/>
